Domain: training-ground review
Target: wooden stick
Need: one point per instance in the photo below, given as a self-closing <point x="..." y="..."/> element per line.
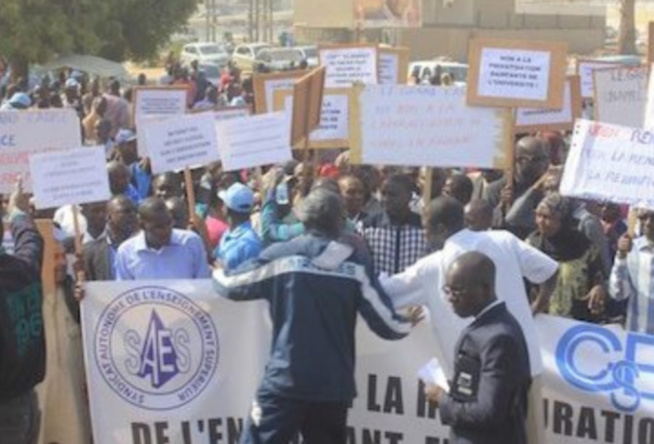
<point x="190" y="192"/>
<point x="79" y="275"/>
<point x="632" y="221"/>
<point x="427" y="192"/>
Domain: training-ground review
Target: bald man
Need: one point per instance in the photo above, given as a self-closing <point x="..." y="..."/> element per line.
<point x="478" y="215"/>
<point x="120" y="181"/>
<point x="487" y="400"/>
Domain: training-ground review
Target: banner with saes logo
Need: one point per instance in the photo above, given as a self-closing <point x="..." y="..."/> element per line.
<point x="170" y="362"/>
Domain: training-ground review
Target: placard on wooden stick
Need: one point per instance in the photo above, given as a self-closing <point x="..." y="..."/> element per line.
<point x="265" y="85"/>
<point x="584" y="69"/>
<point x="333" y="131"/>
<point x="511" y="73"/>
<point x="393" y="65"/>
<point x="563" y="119"/>
<point x="620" y="95"/>
<point x="348" y="64"/>
<point x="307" y="104"/>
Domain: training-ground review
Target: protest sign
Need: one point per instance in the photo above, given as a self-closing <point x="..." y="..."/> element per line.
<point x="621" y="95"/>
<point x="27" y="132"/>
<point x="347" y="64"/>
<point x="649" y="104"/>
<point x="610" y="163"/>
<point x="427" y="126"/>
<point x="134" y="385"/>
<point x="540" y="119"/>
<point x="75" y="176"/>
<point x="254" y="141"/>
<point x="393" y="65"/>
<point x="265" y="86"/>
<point x="307" y="104"/>
<point x="184" y="141"/>
<point x="333" y="131"/>
<point x="585" y="69"/>
<point x="515" y="73"/>
<point x="156" y="103"/>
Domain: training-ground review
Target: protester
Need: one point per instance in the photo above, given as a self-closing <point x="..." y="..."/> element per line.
<point x="395" y="237"/>
<point x="167" y="185"/>
<point x="632" y="276"/>
<point x="478" y="215"/>
<point x="314" y="304"/>
<point x="240" y="243"/>
<point x="117" y="108"/>
<point x="97" y="112"/>
<point x="487" y="401"/>
<point x="127" y="153"/>
<point x="460" y="187"/>
<point x="95" y="215"/>
<point x="352" y="192"/>
<point x="613" y="226"/>
<point x="22" y="342"/>
<point x="18" y="101"/>
<point x="579" y="292"/>
<point x="119" y="181"/>
<point x="178" y="209"/>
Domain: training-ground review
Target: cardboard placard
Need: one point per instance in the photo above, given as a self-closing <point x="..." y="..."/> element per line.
<point x="265" y="86"/>
<point x="563" y="119"/>
<point x="393" y="65"/>
<point x="649" y="105"/>
<point x="333" y="130"/>
<point x="307" y="104"/>
<point x="156" y="102"/>
<point x="254" y="141"/>
<point x="584" y="69"/>
<point x="348" y="64"/>
<point x="427" y="126"/>
<point x="620" y="95"/>
<point x="512" y="73"/>
<point x="65" y="177"/>
<point x="180" y="142"/>
<point x="610" y="163"/>
<point x="31" y="131"/>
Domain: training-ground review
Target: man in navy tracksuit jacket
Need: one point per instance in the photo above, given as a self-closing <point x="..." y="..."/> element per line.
<point x="315" y="286"/>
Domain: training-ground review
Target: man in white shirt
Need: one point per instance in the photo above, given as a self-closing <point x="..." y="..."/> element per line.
<point x="422" y="283"/>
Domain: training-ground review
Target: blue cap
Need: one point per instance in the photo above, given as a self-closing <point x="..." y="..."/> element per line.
<point x="124" y="135"/>
<point x="21" y="99"/>
<point x="71" y="83"/>
<point x="238" y="198"/>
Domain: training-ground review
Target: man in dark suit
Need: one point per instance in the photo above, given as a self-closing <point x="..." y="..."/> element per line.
<point x="487" y="401"/>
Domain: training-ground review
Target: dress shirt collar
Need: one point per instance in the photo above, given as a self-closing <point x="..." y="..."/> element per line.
<point x="643" y="244"/>
<point x="488" y="308"/>
<point x="141" y="245"/>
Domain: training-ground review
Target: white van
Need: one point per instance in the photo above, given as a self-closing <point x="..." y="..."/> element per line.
<point x="427" y="68"/>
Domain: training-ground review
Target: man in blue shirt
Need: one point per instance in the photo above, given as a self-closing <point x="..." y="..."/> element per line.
<point x="240" y="243"/>
<point x="159" y="251"/>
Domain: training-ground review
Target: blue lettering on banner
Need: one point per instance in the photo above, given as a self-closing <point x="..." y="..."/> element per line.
<point x="160" y="364"/>
<point x="621" y="378"/>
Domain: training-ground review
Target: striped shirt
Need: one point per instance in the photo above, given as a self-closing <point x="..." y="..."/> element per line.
<point x="631" y="278"/>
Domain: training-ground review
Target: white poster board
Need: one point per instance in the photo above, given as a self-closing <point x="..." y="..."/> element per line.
<point x="428" y="126"/>
<point x="180" y="142"/>
<point x="156" y="103"/>
<point x="585" y="69"/>
<point x="621" y="95"/>
<point x="610" y="163"/>
<point x="540" y="119"/>
<point x="514" y="74"/>
<point x="229" y="113"/>
<point x="75" y="176"/>
<point x="389" y="69"/>
<point x="27" y="132"/>
<point x="254" y="141"/>
<point x="349" y="64"/>
<point x="649" y="105"/>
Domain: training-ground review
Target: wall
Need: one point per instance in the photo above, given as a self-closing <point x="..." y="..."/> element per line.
<point x="324" y="13"/>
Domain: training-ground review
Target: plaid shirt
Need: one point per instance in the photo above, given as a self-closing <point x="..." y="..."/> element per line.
<point x="394" y="248"/>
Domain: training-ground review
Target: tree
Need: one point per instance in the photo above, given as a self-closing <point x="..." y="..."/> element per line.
<point x="627" y="33"/>
<point x="35" y="30"/>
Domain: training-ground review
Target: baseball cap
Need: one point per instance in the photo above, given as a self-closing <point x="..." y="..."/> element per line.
<point x="21" y="99"/>
<point x="238" y="198"/>
<point x="71" y="83"/>
<point x="125" y="135"/>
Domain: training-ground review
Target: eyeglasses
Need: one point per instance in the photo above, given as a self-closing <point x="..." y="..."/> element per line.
<point x="456" y="292"/>
<point x="530" y="159"/>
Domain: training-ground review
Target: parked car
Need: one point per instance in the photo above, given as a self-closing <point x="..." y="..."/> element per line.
<point x="279" y="59"/>
<point x="425" y="69"/>
<point x="204" y="53"/>
<point x="244" y="55"/>
<point x="211" y="72"/>
<point x="310" y="54"/>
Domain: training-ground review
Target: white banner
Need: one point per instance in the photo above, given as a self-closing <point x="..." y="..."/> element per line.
<point x="610" y="162"/>
<point x="171" y="362"/>
<point x="621" y="95"/>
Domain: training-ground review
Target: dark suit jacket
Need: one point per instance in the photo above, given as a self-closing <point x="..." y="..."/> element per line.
<point x="97" y="261"/>
<point x="487" y="403"/>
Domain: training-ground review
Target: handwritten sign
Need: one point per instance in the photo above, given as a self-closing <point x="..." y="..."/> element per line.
<point x="265" y="86"/>
<point x="610" y="162"/>
<point x="649" y="105"/>
<point x="333" y="131"/>
<point x="75" y="176"/>
<point x="393" y="66"/>
<point x="541" y="119"/>
<point x="516" y="73"/>
<point x="585" y="69"/>
<point x="427" y="126"/>
<point x="184" y="141"/>
<point x="347" y="64"/>
<point x="254" y="141"/>
<point x="28" y="132"/>
<point x="621" y="95"/>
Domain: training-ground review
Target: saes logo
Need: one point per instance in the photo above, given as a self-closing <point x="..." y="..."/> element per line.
<point x="156" y="348"/>
<point x="595" y="359"/>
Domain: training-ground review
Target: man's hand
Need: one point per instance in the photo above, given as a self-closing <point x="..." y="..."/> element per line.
<point x="415" y="314"/>
<point x="624" y="246"/>
<point x="434" y="394"/>
<point x="18" y="200"/>
<point x="506" y="197"/>
<point x="79" y="293"/>
<point x="596" y="300"/>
